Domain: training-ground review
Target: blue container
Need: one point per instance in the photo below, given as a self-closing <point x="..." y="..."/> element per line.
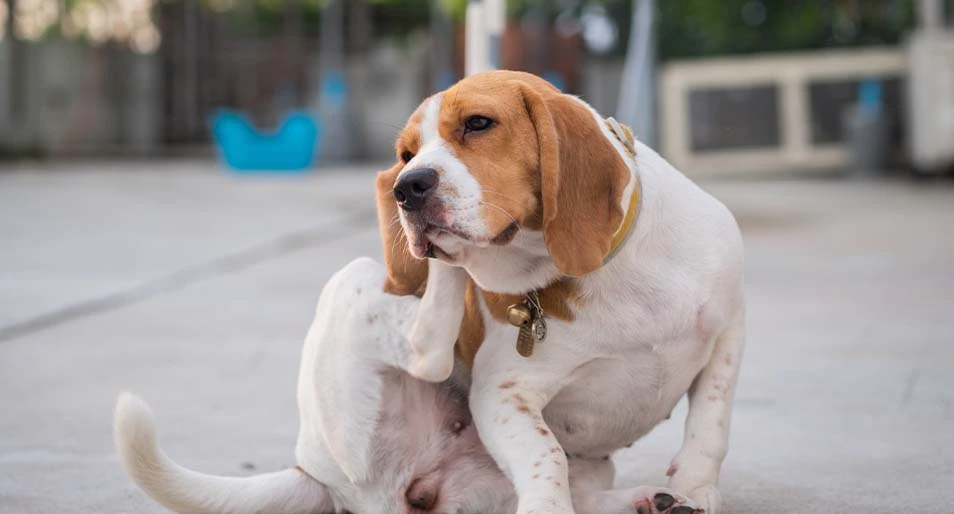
<point x="291" y="148"/>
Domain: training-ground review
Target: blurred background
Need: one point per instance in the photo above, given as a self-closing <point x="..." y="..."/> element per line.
<point x="740" y="85"/>
<point x="179" y="178"/>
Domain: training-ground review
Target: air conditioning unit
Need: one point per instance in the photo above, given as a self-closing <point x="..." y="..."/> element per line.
<point x="930" y="94"/>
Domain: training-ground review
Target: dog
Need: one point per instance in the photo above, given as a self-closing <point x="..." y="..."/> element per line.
<point x="372" y="439"/>
<point x="588" y="284"/>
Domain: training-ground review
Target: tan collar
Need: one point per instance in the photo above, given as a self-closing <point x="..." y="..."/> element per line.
<point x="625" y="136"/>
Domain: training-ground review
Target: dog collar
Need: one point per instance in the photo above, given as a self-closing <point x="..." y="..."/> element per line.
<point x="625" y="136"/>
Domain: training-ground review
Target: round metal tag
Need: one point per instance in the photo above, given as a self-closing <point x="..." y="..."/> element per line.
<point x="539" y="330"/>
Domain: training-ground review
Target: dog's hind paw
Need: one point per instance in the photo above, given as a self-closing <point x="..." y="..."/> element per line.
<point x="435" y="366"/>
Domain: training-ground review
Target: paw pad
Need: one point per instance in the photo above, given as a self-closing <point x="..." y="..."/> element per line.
<point x="663" y="501"/>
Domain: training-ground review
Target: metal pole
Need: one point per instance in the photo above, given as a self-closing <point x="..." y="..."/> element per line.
<point x="496" y="22"/>
<point x="484" y="26"/>
<point x="476" y="48"/>
<point x="333" y="91"/>
<point x="930" y="14"/>
<point x="637" y="92"/>
<point x="442" y="57"/>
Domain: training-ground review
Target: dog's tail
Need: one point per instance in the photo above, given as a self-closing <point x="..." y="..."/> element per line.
<point x="188" y="492"/>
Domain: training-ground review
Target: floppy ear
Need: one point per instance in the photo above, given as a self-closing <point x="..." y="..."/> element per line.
<point x="582" y="179"/>
<point x="406" y="275"/>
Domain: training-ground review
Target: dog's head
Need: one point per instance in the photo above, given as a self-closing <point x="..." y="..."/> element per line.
<point x="501" y="160"/>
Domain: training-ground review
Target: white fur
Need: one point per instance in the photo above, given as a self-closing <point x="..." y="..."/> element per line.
<point x="666" y="311"/>
<point x="188" y="492"/>
<point x="367" y="430"/>
<point x="433" y="337"/>
<point x="458" y="189"/>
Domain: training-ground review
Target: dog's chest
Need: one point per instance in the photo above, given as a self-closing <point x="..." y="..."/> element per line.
<point x="638" y="344"/>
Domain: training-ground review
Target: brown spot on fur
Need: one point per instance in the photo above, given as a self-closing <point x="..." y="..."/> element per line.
<point x="472" y="332"/>
<point x="542" y="431"/>
<point x="672" y="470"/>
<point x="536" y="464"/>
<point x="520" y="399"/>
<point x="508" y="384"/>
<point x="557" y="483"/>
<point x="523" y="409"/>
<point x="536" y="476"/>
<point x="555" y="450"/>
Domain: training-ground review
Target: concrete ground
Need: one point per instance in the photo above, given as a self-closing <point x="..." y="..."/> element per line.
<point x="194" y="288"/>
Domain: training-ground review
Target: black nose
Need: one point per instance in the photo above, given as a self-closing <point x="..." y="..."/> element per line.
<point x="413" y="188"/>
<point x="421" y="495"/>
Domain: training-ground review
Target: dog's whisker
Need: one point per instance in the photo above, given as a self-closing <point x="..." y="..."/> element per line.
<point x="501" y="209"/>
<point x="498" y="193"/>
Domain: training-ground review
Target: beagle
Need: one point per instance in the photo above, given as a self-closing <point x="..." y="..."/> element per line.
<point x="372" y="439"/>
<point x="587" y="283"/>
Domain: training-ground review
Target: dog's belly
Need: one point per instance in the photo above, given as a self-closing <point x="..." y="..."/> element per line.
<point x="611" y="402"/>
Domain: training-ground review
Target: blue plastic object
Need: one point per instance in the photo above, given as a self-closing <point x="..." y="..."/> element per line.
<point x="869" y="95"/>
<point x="245" y="148"/>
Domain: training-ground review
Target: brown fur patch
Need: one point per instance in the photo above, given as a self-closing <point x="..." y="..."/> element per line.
<point x="556" y="299"/>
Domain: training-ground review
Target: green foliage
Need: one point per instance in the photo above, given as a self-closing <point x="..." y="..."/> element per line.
<point x="687" y="28"/>
<point x="698" y="28"/>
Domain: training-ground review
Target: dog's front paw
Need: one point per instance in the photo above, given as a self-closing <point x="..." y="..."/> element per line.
<point x="659" y="500"/>
<point x="638" y="500"/>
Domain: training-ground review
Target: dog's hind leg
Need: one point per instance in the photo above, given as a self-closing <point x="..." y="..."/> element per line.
<point x="695" y="469"/>
<point x="437" y="322"/>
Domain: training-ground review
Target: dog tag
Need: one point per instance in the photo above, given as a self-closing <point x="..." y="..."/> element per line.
<point x="538" y="329"/>
<point x="525" y="341"/>
<point x="528" y="317"/>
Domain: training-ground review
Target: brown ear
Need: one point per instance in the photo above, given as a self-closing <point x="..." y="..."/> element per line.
<point x="582" y="179"/>
<point x="406" y="275"/>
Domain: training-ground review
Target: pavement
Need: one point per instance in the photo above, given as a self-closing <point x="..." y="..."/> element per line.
<point x="194" y="288"/>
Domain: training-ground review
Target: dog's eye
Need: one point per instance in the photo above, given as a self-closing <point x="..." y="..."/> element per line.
<point x="477" y="123"/>
<point x="406" y="156"/>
